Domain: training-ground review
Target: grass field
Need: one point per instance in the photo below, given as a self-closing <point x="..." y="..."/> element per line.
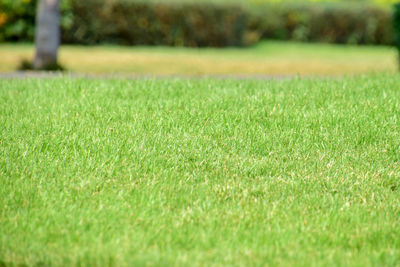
<point x="266" y="58"/>
<point x="200" y="172"/>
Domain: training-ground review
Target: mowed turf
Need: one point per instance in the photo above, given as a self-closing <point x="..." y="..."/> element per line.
<point x="201" y="172"/>
<point x="265" y="58"/>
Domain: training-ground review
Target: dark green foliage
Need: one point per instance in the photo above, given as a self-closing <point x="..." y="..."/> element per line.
<point x="203" y="24"/>
<point x="134" y="23"/>
<point x="332" y="23"/>
<point x="17" y="20"/>
<point x="396" y="27"/>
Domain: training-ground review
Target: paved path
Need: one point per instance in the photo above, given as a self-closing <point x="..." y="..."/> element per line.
<point x="33" y="74"/>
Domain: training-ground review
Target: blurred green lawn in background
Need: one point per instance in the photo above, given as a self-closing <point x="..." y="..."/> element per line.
<point x="268" y="57"/>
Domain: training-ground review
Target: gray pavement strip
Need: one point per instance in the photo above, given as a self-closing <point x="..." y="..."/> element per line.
<point x="45" y="75"/>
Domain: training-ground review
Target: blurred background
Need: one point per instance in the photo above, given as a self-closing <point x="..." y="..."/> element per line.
<point x="209" y="37"/>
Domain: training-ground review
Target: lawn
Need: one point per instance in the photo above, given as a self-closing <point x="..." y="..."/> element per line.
<point x="200" y="172"/>
<point x="266" y="58"/>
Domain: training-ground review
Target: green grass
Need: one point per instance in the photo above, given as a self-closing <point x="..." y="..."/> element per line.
<point x="266" y="58"/>
<point x="200" y="172"/>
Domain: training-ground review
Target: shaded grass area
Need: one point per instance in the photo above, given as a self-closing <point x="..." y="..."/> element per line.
<point x="266" y="58"/>
<point x="200" y="172"/>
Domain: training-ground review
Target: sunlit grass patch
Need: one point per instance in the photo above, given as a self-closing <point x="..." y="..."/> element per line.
<point x="200" y="172"/>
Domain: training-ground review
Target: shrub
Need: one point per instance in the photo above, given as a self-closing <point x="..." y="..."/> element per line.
<point x="396" y="26"/>
<point x="332" y="23"/>
<point x="17" y="19"/>
<point x="134" y="22"/>
<point x="139" y="23"/>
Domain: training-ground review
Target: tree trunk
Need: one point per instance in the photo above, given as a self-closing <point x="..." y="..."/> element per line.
<point x="47" y="35"/>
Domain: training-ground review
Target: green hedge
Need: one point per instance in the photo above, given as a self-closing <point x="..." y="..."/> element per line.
<point x="148" y="23"/>
<point x="329" y="22"/>
<point x="139" y="23"/>
<point x="396" y="27"/>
